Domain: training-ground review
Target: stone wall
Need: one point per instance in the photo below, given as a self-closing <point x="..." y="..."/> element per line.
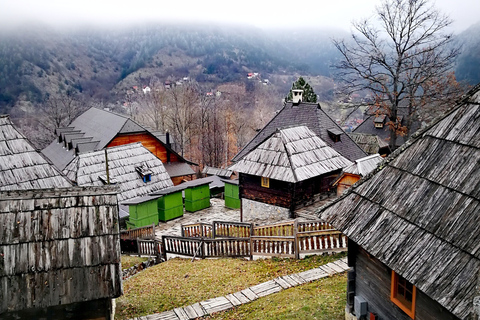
<point x="254" y="211"/>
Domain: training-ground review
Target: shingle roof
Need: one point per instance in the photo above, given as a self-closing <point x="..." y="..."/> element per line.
<point x="21" y="166"/>
<point x="420" y="212"/>
<point x="292" y="155"/>
<point x="370" y="143"/>
<point x="224" y="173"/>
<point x="312" y="116"/>
<point x="93" y="130"/>
<point x="364" y="166"/>
<point x="58" y="246"/>
<point x="123" y="161"/>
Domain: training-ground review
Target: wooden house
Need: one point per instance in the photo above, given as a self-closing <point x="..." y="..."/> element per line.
<point x="289" y="170"/>
<point x="354" y="172"/>
<point x="232" y="194"/>
<point x="133" y="169"/>
<point x="371" y="143"/>
<point x="298" y="113"/>
<point x="97" y="129"/>
<point x="59" y="253"/>
<point x="222" y="173"/>
<point x="21" y="166"/>
<point x="414" y="225"/>
<point x="377" y="125"/>
<point x="163" y="205"/>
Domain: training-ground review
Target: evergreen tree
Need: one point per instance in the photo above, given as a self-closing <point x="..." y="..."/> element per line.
<point x="308" y="94"/>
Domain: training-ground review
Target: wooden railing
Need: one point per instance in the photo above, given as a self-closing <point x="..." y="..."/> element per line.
<point x="147" y="232"/>
<point x="285" y="229"/>
<point x="227" y="247"/>
<point x="321" y="241"/>
<point x="197" y="230"/>
<point x="206" y="248"/>
<point x="273" y="246"/>
<point x="283" y="240"/>
<point x="149" y="247"/>
<point x="226" y="229"/>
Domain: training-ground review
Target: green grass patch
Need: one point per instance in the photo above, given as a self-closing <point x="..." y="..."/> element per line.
<point x="180" y="282"/>
<point x="324" y="299"/>
<point x="130" y="261"/>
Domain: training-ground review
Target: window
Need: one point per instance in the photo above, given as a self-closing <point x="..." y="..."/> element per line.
<point x="265" y="182"/>
<point x="403" y="294"/>
<point x="145" y="172"/>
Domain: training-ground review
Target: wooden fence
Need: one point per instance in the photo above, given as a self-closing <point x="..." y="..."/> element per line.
<point x="132" y="241"/>
<point x="236" y="239"/>
<point x="149" y="247"/>
<point x="147" y="232"/>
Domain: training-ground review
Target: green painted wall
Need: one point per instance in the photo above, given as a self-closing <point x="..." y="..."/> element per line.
<point x="232" y="197"/>
<point x="197" y="198"/>
<point x="170" y="206"/>
<point x="143" y="214"/>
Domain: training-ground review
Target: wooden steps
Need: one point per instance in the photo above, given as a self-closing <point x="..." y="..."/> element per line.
<point x="210" y="306"/>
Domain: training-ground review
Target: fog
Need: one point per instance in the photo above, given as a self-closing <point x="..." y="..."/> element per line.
<point x="262" y="14"/>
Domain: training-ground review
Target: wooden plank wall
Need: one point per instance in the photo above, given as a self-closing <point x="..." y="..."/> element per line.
<point x="148" y="141"/>
<point x="279" y="193"/>
<point x="372" y="282"/>
<point x="58" y="246"/>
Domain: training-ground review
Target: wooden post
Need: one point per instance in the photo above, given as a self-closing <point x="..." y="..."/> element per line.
<point x="138" y="247"/>
<point x="295" y="239"/>
<point x="214" y="233"/>
<point x="164" y="251"/>
<point x="106" y="166"/>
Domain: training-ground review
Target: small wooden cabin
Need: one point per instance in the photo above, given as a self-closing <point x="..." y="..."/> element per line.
<point x="22" y="167"/>
<point x="414" y="226"/>
<point x="59" y="253"/>
<point x="351" y="174"/>
<point x="197" y="195"/>
<point x="97" y="129"/>
<point x="132" y="168"/>
<point x="163" y="205"/>
<point x="232" y="194"/>
<point x="289" y="170"/>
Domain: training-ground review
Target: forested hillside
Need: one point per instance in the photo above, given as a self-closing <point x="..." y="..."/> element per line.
<point x="468" y="63"/>
<point x="38" y="60"/>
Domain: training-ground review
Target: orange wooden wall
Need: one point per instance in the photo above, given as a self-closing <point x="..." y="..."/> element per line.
<point x="346" y="182"/>
<point x="148" y="141"/>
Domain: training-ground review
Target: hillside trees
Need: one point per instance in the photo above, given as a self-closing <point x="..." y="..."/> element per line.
<point x="404" y="60"/>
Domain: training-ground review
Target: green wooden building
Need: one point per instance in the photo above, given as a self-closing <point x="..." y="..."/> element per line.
<point x="162" y="206"/>
<point x="197" y="195"/>
<point x="170" y="204"/>
<point x="232" y="195"/>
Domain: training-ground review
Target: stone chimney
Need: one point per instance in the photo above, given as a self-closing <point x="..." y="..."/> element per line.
<point x="297" y="96"/>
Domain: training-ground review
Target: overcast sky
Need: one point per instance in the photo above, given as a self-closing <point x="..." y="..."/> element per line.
<point x="259" y="13"/>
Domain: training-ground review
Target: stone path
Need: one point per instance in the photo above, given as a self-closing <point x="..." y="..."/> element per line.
<point x="229" y="301"/>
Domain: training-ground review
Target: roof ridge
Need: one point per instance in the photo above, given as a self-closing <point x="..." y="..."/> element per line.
<point x="289" y="156"/>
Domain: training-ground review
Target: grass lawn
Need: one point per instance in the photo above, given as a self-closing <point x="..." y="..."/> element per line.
<point x="323" y="299"/>
<point x="130" y="261"/>
<point x="180" y="282"/>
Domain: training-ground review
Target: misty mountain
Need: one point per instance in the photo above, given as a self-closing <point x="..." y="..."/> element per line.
<point x="99" y="62"/>
<point x="468" y="62"/>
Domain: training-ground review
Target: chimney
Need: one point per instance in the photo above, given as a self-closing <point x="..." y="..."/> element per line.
<point x="297" y="96"/>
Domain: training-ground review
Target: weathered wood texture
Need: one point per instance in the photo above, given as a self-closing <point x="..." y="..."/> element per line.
<point x="147" y="232"/>
<point x="86" y="168"/>
<point x="286" y="194"/>
<point x="21" y="166"/>
<point x="372" y="282"/>
<point x="148" y="141"/>
<point x="58" y="246"/>
<point x="282" y="239"/>
<point x="291" y="155"/>
<point x="419" y="213"/>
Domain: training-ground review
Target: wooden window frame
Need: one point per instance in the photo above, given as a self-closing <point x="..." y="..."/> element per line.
<point x="394" y="296"/>
<point x="265" y="182"/>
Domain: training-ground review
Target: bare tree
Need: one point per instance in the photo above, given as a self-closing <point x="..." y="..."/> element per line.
<point x="182" y="114"/>
<point x="404" y="60"/>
